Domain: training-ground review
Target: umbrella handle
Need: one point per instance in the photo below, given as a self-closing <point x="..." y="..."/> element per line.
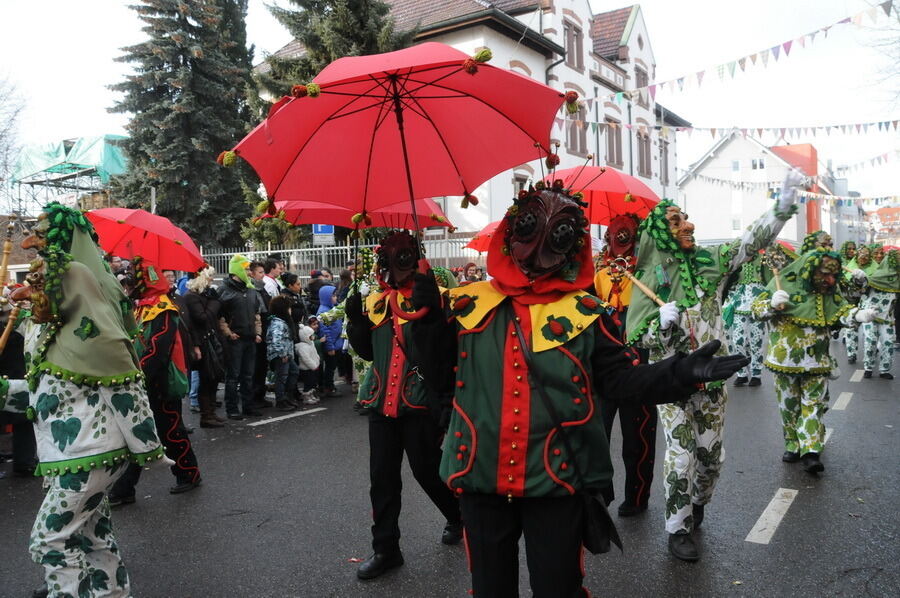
<point x="417" y="314"/>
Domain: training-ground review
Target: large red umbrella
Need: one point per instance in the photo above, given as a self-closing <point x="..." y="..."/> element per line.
<point x="398" y="215"/>
<point x="608" y="192"/>
<point x="482" y="239"/>
<point x="130" y="233"/>
<point x="426" y="121"/>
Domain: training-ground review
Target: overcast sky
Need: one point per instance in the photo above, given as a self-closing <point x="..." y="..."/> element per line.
<point x="60" y="55"/>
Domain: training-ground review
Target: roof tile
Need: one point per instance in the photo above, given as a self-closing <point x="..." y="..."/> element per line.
<point x="607" y="29"/>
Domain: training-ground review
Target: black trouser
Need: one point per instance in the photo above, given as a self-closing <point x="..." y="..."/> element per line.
<point x="553" y="532"/>
<point x="24" y="447"/>
<point x="260" y="372"/>
<point x="638" y="424"/>
<point x="389" y="437"/>
<point x="171" y="432"/>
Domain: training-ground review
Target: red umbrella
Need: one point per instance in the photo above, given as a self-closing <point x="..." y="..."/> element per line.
<point x="130" y="233"/>
<point x="482" y="239"/>
<point x="608" y="192"/>
<point x="398" y="215"/>
<point x="426" y="121"/>
<point x="786" y="245"/>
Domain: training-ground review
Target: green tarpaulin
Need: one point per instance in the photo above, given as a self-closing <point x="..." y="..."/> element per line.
<point x="101" y="154"/>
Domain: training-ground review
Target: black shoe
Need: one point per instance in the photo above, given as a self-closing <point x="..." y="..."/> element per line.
<point x="851" y="360"/>
<point x="378" y="564"/>
<point x="697" y="512"/>
<point x="682" y="546"/>
<point x="811" y="463"/>
<point x="181" y="487"/>
<point x="235" y="416"/>
<point x="41" y="592"/>
<point x="252" y="412"/>
<point x="790" y="457"/>
<point x="886" y="376"/>
<point x="453" y="533"/>
<point x="754" y="381"/>
<point x="867" y="374"/>
<point x="118" y="501"/>
<point x="740" y="381"/>
<point x="629" y="509"/>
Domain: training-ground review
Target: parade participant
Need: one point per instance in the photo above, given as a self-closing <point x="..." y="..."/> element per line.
<point x="862" y="261"/>
<point x="160" y="349"/>
<point x="802" y="315"/>
<point x="525" y="356"/>
<point x="637" y="421"/>
<point x="691" y="280"/>
<point x="401" y="418"/>
<point x="877" y="250"/>
<point x="747" y="333"/>
<point x="818" y="239"/>
<point x="87" y="402"/>
<point x="878" y="335"/>
<point x="848" y="252"/>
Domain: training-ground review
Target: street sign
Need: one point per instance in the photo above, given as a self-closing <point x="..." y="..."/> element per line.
<point x="323" y="234"/>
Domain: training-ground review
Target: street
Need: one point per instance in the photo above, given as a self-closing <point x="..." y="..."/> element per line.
<point x="284" y="511"/>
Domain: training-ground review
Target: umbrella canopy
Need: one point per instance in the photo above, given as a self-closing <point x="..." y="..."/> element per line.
<point x="426" y="121"/>
<point x="482" y="239"/>
<point x="608" y="192"/>
<point x="130" y="233"/>
<point x="398" y="215"/>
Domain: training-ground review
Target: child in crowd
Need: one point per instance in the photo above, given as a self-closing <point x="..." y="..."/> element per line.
<point x="308" y="356"/>
<point x="331" y="338"/>
<point x="280" y="351"/>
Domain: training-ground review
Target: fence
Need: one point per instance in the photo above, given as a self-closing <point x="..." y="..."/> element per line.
<point x="440" y="252"/>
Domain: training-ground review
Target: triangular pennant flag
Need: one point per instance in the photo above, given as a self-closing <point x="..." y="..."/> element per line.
<point x="775" y="50"/>
<point x="627" y="126"/>
<point x="665" y="132"/>
<point x="782" y="132"/>
<point x="812" y="36"/>
<point x="594" y="128"/>
<point x="753" y="57"/>
<point x="759" y="132"/>
<point x="858" y="127"/>
<point x="579" y="124"/>
<point x="787" y="47"/>
<point x="887" y="7"/>
<point x="700" y="77"/>
<point x="825" y="30"/>
<point x="559" y="122"/>
<point x="713" y="131"/>
<point x="619" y="98"/>
<point x="802" y="41"/>
<point x="680" y="83"/>
<point x="720" y="71"/>
<point x="866" y="128"/>
<point x="895" y="124"/>
<point x="843" y="21"/>
<point x="879" y="127"/>
<point x="652" y="90"/>
<point x="731" y="66"/>
<point x="662" y="86"/>
<point x="765" y="58"/>
<point x="689" y="130"/>
<point x="742" y="62"/>
<point x="744" y="132"/>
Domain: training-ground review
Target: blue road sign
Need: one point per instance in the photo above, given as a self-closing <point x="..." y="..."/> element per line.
<point x="323" y="229"/>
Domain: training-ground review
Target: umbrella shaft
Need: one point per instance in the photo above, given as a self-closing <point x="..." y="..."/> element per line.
<point x="398" y="112"/>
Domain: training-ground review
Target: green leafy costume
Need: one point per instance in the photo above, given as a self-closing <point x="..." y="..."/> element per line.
<point x="878" y="335"/>
<point x="745" y="332"/>
<point x="85" y="393"/>
<point x="694" y="281"/>
<point x="798" y="352"/>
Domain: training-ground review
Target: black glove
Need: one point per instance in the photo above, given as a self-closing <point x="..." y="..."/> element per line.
<point x="353" y="307"/>
<point x="426" y="292"/>
<point x="701" y="366"/>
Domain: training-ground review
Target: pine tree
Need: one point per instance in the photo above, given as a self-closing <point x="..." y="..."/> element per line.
<point x="187" y="98"/>
<point x="328" y="30"/>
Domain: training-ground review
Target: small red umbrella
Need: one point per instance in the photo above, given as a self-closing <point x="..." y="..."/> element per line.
<point x="398" y="215"/>
<point x="608" y="192"/>
<point x="482" y="239"/>
<point x="130" y="233"/>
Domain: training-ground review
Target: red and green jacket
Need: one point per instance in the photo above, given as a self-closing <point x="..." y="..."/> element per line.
<point x="501" y="438"/>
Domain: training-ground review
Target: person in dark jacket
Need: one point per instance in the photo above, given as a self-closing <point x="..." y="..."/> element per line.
<point x="292" y="290"/>
<point x="333" y="344"/>
<point x="202" y="304"/>
<point x="316" y="280"/>
<point x="12" y="365"/>
<point x="241" y="325"/>
<point x="261" y="365"/>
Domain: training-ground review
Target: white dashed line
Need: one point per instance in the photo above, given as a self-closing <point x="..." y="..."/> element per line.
<point x="828" y="432"/>
<point x="857" y="376"/>
<point x="842" y="401"/>
<point x="288" y="416"/>
<point x="768" y="522"/>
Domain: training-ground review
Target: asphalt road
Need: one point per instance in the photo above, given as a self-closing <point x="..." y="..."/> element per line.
<point x="284" y="511"/>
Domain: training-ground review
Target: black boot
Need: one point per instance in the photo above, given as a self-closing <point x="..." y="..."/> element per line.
<point x="741" y="381"/>
<point x="790" y="457"/>
<point x="184" y="486"/>
<point x="697" y="512"/>
<point x="886" y="375"/>
<point x="453" y="533"/>
<point x="682" y="546"/>
<point x="378" y="564"/>
<point x="867" y="374"/>
<point x="754" y="381"/>
<point x="811" y="463"/>
<point x="41" y="592"/>
<point x="629" y="509"/>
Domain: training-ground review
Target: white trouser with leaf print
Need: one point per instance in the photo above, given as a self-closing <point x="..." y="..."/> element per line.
<point x="694" y="454"/>
<point x="878" y="338"/>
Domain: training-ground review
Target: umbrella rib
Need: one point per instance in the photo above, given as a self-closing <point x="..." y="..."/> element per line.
<point x="358" y="110"/>
<point x="328" y="86"/>
<point x="382" y="116"/>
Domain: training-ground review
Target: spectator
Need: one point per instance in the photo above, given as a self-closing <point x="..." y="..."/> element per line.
<point x="343" y="286"/>
<point x="170" y="278"/>
<point x="468" y="273"/>
<point x="241" y="325"/>
<point x="333" y="344"/>
<point x="261" y="365"/>
<point x="292" y="290"/>
<point x="202" y="304"/>
<point x="12" y="365"/>
<point x="312" y="291"/>
<point x="327" y="275"/>
<point x="308" y="356"/>
<point x="280" y="351"/>
<point x="272" y="271"/>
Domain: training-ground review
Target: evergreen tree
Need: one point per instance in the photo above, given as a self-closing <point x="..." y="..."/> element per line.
<point x="187" y="98"/>
<point x="328" y="30"/>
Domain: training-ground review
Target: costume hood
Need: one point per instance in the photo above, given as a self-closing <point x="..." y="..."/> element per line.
<point x="808" y="307"/>
<point x="238" y="267"/>
<point x="886" y="277"/>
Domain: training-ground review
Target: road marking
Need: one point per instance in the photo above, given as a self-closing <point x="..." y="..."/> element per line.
<point x="288" y="416"/>
<point x="857" y="376"/>
<point x="828" y="432"/>
<point x="768" y="522"/>
<point x="842" y="401"/>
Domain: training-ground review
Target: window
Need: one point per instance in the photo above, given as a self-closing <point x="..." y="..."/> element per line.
<point x="641" y="80"/>
<point x="664" y="162"/>
<point x="643" y="140"/>
<point x="574" y="41"/>
<point x="576" y="132"/>
<point x="735" y="223"/>
<point x="520" y="182"/>
<point x="758" y="164"/>
<point x="735" y="166"/>
<point x="613" y="142"/>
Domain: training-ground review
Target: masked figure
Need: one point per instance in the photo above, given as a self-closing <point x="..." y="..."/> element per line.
<point x="855" y="288"/>
<point x="403" y="413"/>
<point x="877" y="250"/>
<point x="160" y="348"/>
<point x="880" y="298"/>
<point x="746" y="333"/>
<point x="84" y="391"/>
<point x="526" y="356"/>
<point x="690" y="280"/>
<point x="802" y="315"/>
<point x="817" y="239"/>
<point x="637" y="422"/>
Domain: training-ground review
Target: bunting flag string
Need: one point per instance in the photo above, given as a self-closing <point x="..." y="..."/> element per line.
<point x="782" y="50"/>
<point x="876" y="161"/>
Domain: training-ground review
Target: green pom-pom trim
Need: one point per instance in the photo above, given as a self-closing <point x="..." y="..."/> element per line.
<point x="107" y="459"/>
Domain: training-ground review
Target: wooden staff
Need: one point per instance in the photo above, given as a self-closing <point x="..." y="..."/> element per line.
<point x="10" y="324"/>
<point x="7" y="249"/>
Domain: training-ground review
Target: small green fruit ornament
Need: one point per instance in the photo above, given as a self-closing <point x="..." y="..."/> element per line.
<point x="470" y="65"/>
<point x="572" y="102"/>
<point x="226" y="159"/>
<point x="469" y="200"/>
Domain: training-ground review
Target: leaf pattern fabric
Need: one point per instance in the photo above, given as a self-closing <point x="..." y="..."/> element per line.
<point x="878" y="346"/>
<point x="802" y="400"/>
<point x="746" y="337"/>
